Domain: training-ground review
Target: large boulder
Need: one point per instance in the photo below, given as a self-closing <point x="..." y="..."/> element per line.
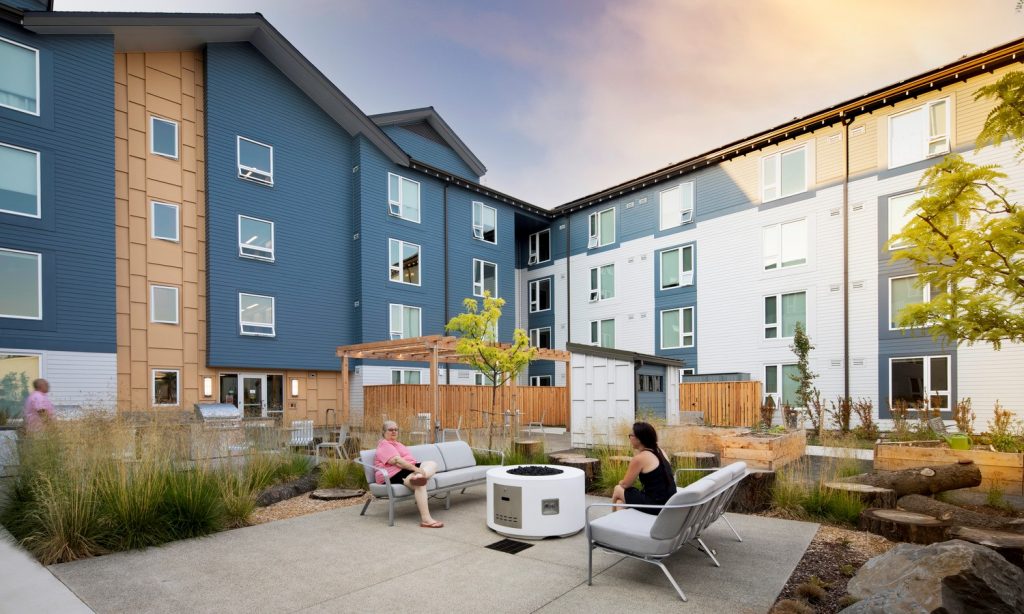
<point x="948" y="577"/>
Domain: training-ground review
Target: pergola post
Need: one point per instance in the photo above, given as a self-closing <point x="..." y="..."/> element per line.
<point x="434" y="391"/>
<point x="345" y="396"/>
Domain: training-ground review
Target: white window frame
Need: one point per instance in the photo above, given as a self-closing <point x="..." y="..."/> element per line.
<point x="776" y="160"/>
<point x="916" y="195"/>
<point x="681" y="340"/>
<point x="392" y="269"/>
<point x="778" y="325"/>
<point x="534" y="288"/>
<point x="771" y="255"/>
<point x="598" y="290"/>
<point x="926" y="293"/>
<point x="152" y="221"/>
<point x="685" y="214"/>
<point x="594" y="228"/>
<point x="400" y="332"/>
<point x="686" y="371"/>
<point x="926" y="108"/>
<point x="152" y="137"/>
<point x="926" y="390"/>
<point x="251" y="173"/>
<point x="685" y="277"/>
<point x="404" y="376"/>
<point x="479" y="232"/>
<point x="535" y="337"/>
<point x="39" y="284"/>
<point x="152" y="304"/>
<point x="599" y="330"/>
<point x="38" y="89"/>
<point x="177" y="386"/>
<point x="534" y="247"/>
<point x="478" y="277"/>
<point x="242" y="246"/>
<point x="396" y="207"/>
<point x="39" y="183"/>
<point x="535" y="380"/>
<point x="273" y="317"/>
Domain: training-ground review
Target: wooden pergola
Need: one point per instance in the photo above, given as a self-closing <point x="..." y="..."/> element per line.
<point x="431" y="349"/>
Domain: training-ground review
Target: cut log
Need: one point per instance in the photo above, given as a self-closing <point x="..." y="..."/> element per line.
<point x="754" y="493"/>
<point x="958" y="515"/>
<point x="937" y="478"/>
<point x="871" y="496"/>
<point x="528" y="448"/>
<point x="694" y="460"/>
<point x="1010" y="545"/>
<point x="619" y="459"/>
<point x="556" y="458"/>
<point x="900" y="526"/>
<point x="333" y="494"/>
<point x="591" y="467"/>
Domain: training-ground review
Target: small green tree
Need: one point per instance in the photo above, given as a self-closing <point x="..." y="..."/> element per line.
<point x="478" y="345"/>
<point x="804" y="377"/>
<point x="966" y="238"/>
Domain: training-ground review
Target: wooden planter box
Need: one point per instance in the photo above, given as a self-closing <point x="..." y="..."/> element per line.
<point x="769" y="453"/>
<point x="1003" y="470"/>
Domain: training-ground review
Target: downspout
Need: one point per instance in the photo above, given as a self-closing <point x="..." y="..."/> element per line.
<point x="568" y="294"/>
<point x="846" y="256"/>
<point x="447" y="367"/>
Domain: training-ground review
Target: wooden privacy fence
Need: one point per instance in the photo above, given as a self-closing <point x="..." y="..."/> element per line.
<point x="723" y="403"/>
<point x="401" y="403"/>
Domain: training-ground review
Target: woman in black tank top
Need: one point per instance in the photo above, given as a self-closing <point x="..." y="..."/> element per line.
<point x="657" y="481"/>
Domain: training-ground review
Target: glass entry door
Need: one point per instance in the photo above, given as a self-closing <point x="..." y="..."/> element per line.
<point x="253" y="395"/>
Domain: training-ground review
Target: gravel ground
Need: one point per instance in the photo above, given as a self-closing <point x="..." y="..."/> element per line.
<point x="300" y="506"/>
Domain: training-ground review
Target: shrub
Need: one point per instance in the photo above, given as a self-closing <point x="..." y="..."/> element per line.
<point x="130" y="497"/>
<point x="996" y="499"/>
<point x="964" y="416"/>
<point x="341" y="474"/>
<point x="800" y="491"/>
<point x="810" y="591"/>
<point x="846" y="601"/>
<point x="900" y="412"/>
<point x="847" y="570"/>
<point x="792" y="606"/>
<point x="1004" y="432"/>
<point x="864" y="409"/>
<point x="767" y="411"/>
<point x="65" y="523"/>
<point x="192" y="505"/>
<point x="841" y="411"/>
<point x="293" y="466"/>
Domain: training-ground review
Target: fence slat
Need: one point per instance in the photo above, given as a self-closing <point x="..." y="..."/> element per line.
<point x="723" y="403"/>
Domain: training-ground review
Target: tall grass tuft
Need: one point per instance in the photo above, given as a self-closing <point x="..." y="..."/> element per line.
<point x="130" y="498"/>
<point x="341" y="474"/>
<point x="800" y="491"/>
<point x="65" y="523"/>
<point x="192" y="504"/>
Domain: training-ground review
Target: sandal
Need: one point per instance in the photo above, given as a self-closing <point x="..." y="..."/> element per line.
<point x="418" y="480"/>
<point x="437" y="524"/>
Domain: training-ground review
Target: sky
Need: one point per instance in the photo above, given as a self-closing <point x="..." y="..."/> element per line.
<point x="560" y="99"/>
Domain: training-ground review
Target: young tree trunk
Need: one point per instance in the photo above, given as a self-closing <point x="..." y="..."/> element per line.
<point x="958" y="515"/>
<point x="923" y="480"/>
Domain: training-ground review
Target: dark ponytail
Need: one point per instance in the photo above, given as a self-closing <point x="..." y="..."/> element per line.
<point x="648" y="437"/>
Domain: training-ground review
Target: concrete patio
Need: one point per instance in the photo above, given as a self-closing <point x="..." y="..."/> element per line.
<point x="337" y="561"/>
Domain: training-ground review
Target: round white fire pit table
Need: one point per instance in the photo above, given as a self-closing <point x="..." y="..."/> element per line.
<point x="522" y="504"/>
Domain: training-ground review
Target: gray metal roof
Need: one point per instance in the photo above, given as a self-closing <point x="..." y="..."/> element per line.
<point x="434" y="119"/>
<point x="625" y="355"/>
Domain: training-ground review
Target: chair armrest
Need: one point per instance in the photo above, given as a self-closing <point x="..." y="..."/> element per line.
<point x="636" y="505"/>
<point x="387" y="482"/>
<point x="499" y="452"/>
<point x="708" y="469"/>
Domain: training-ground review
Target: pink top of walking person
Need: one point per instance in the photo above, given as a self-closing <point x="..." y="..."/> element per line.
<point x="38" y="409"/>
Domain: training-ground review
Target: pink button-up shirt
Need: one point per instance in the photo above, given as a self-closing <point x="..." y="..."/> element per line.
<point x="37" y="410"/>
<point x="386" y="450"/>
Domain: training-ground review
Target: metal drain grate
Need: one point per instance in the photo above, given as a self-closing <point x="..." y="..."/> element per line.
<point x="509" y="545"/>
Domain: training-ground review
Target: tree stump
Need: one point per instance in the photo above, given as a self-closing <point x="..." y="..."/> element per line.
<point x="871" y="496"/>
<point x="754" y="493"/>
<point x="958" y="515"/>
<point x="900" y="526"/>
<point x="619" y="459"/>
<point x="333" y="494"/>
<point x="923" y="480"/>
<point x="591" y="467"/>
<point x="528" y="448"/>
<point x="556" y="458"/>
<point x="1010" y="545"/>
<point x="694" y="460"/>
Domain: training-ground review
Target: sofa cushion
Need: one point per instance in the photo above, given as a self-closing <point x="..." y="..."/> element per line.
<point x="457" y="454"/>
<point x="462" y="476"/>
<point x="428" y="452"/>
<point x="381" y="490"/>
<point x="670" y="522"/>
<point x="629" y="530"/>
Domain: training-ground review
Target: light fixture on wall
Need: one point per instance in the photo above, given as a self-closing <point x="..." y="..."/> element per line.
<point x="207" y="386"/>
<point x="295" y="386"/>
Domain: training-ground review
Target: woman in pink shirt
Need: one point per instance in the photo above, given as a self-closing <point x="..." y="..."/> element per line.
<point x="38" y="410"/>
<point x="402" y="468"/>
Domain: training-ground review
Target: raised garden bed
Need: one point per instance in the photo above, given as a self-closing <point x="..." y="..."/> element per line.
<point x="767" y="451"/>
<point x="1003" y="470"/>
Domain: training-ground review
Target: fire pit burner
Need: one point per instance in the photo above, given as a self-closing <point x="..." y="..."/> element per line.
<point x="534" y="470"/>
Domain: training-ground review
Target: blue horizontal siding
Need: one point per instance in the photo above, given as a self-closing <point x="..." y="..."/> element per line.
<point x="435" y="154"/>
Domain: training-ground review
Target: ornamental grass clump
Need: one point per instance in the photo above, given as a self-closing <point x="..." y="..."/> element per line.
<point x="800" y="491"/>
<point x="341" y="474"/>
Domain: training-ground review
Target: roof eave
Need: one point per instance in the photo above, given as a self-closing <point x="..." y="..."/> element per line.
<point x="434" y="119"/>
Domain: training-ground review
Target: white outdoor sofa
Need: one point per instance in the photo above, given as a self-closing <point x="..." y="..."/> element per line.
<point x="456" y="470"/>
<point x="680" y="522"/>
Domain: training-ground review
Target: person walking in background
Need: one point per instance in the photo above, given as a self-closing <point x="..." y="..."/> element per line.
<point x="38" y="409"/>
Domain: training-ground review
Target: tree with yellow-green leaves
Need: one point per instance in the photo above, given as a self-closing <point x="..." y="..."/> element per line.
<point x="966" y="237"/>
<point x="478" y="345"/>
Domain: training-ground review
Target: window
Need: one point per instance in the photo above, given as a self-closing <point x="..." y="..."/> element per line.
<point x="602" y="228"/>
<point x="602" y="333"/>
<point x="163" y="304"/>
<point x="403" y="262"/>
<point x="540" y="380"/>
<point x="677" y="328"/>
<point x="19" y="77"/>
<point x="21" y="277"/>
<point x="255" y="238"/>
<point x="685" y="372"/>
<point x="17" y="372"/>
<point x="485" y="222"/>
<point x="541" y="337"/>
<point x="19" y="180"/>
<point x="485" y="278"/>
<point x="540" y="247"/>
<point x="403" y="198"/>
<point x="405" y="321"/>
<point x="676" y="205"/>
<point x="785" y="245"/>
<point x="164" y="221"/>
<point x="165" y="387"/>
<point x="914" y="379"/>
<point x="482" y="379"/>
<point x="677" y="267"/>
<point x="540" y="295"/>
<point x="900" y="214"/>
<point x="904" y="291"/>
<point x="256" y="314"/>
<point x="255" y="161"/>
<point x="405" y="376"/>
<point x="781" y="378"/>
<point x="919" y="133"/>
<point x="163" y="137"/>
<point x="784" y="174"/>
<point x="650" y="383"/>
<point x="785" y="310"/>
<point x="602" y="283"/>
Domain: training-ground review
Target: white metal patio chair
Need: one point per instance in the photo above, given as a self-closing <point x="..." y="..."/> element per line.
<point x="422" y="427"/>
<point x="536" y="425"/>
<point x="342" y="435"/>
<point x="301" y="435"/>
<point x="457" y="431"/>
